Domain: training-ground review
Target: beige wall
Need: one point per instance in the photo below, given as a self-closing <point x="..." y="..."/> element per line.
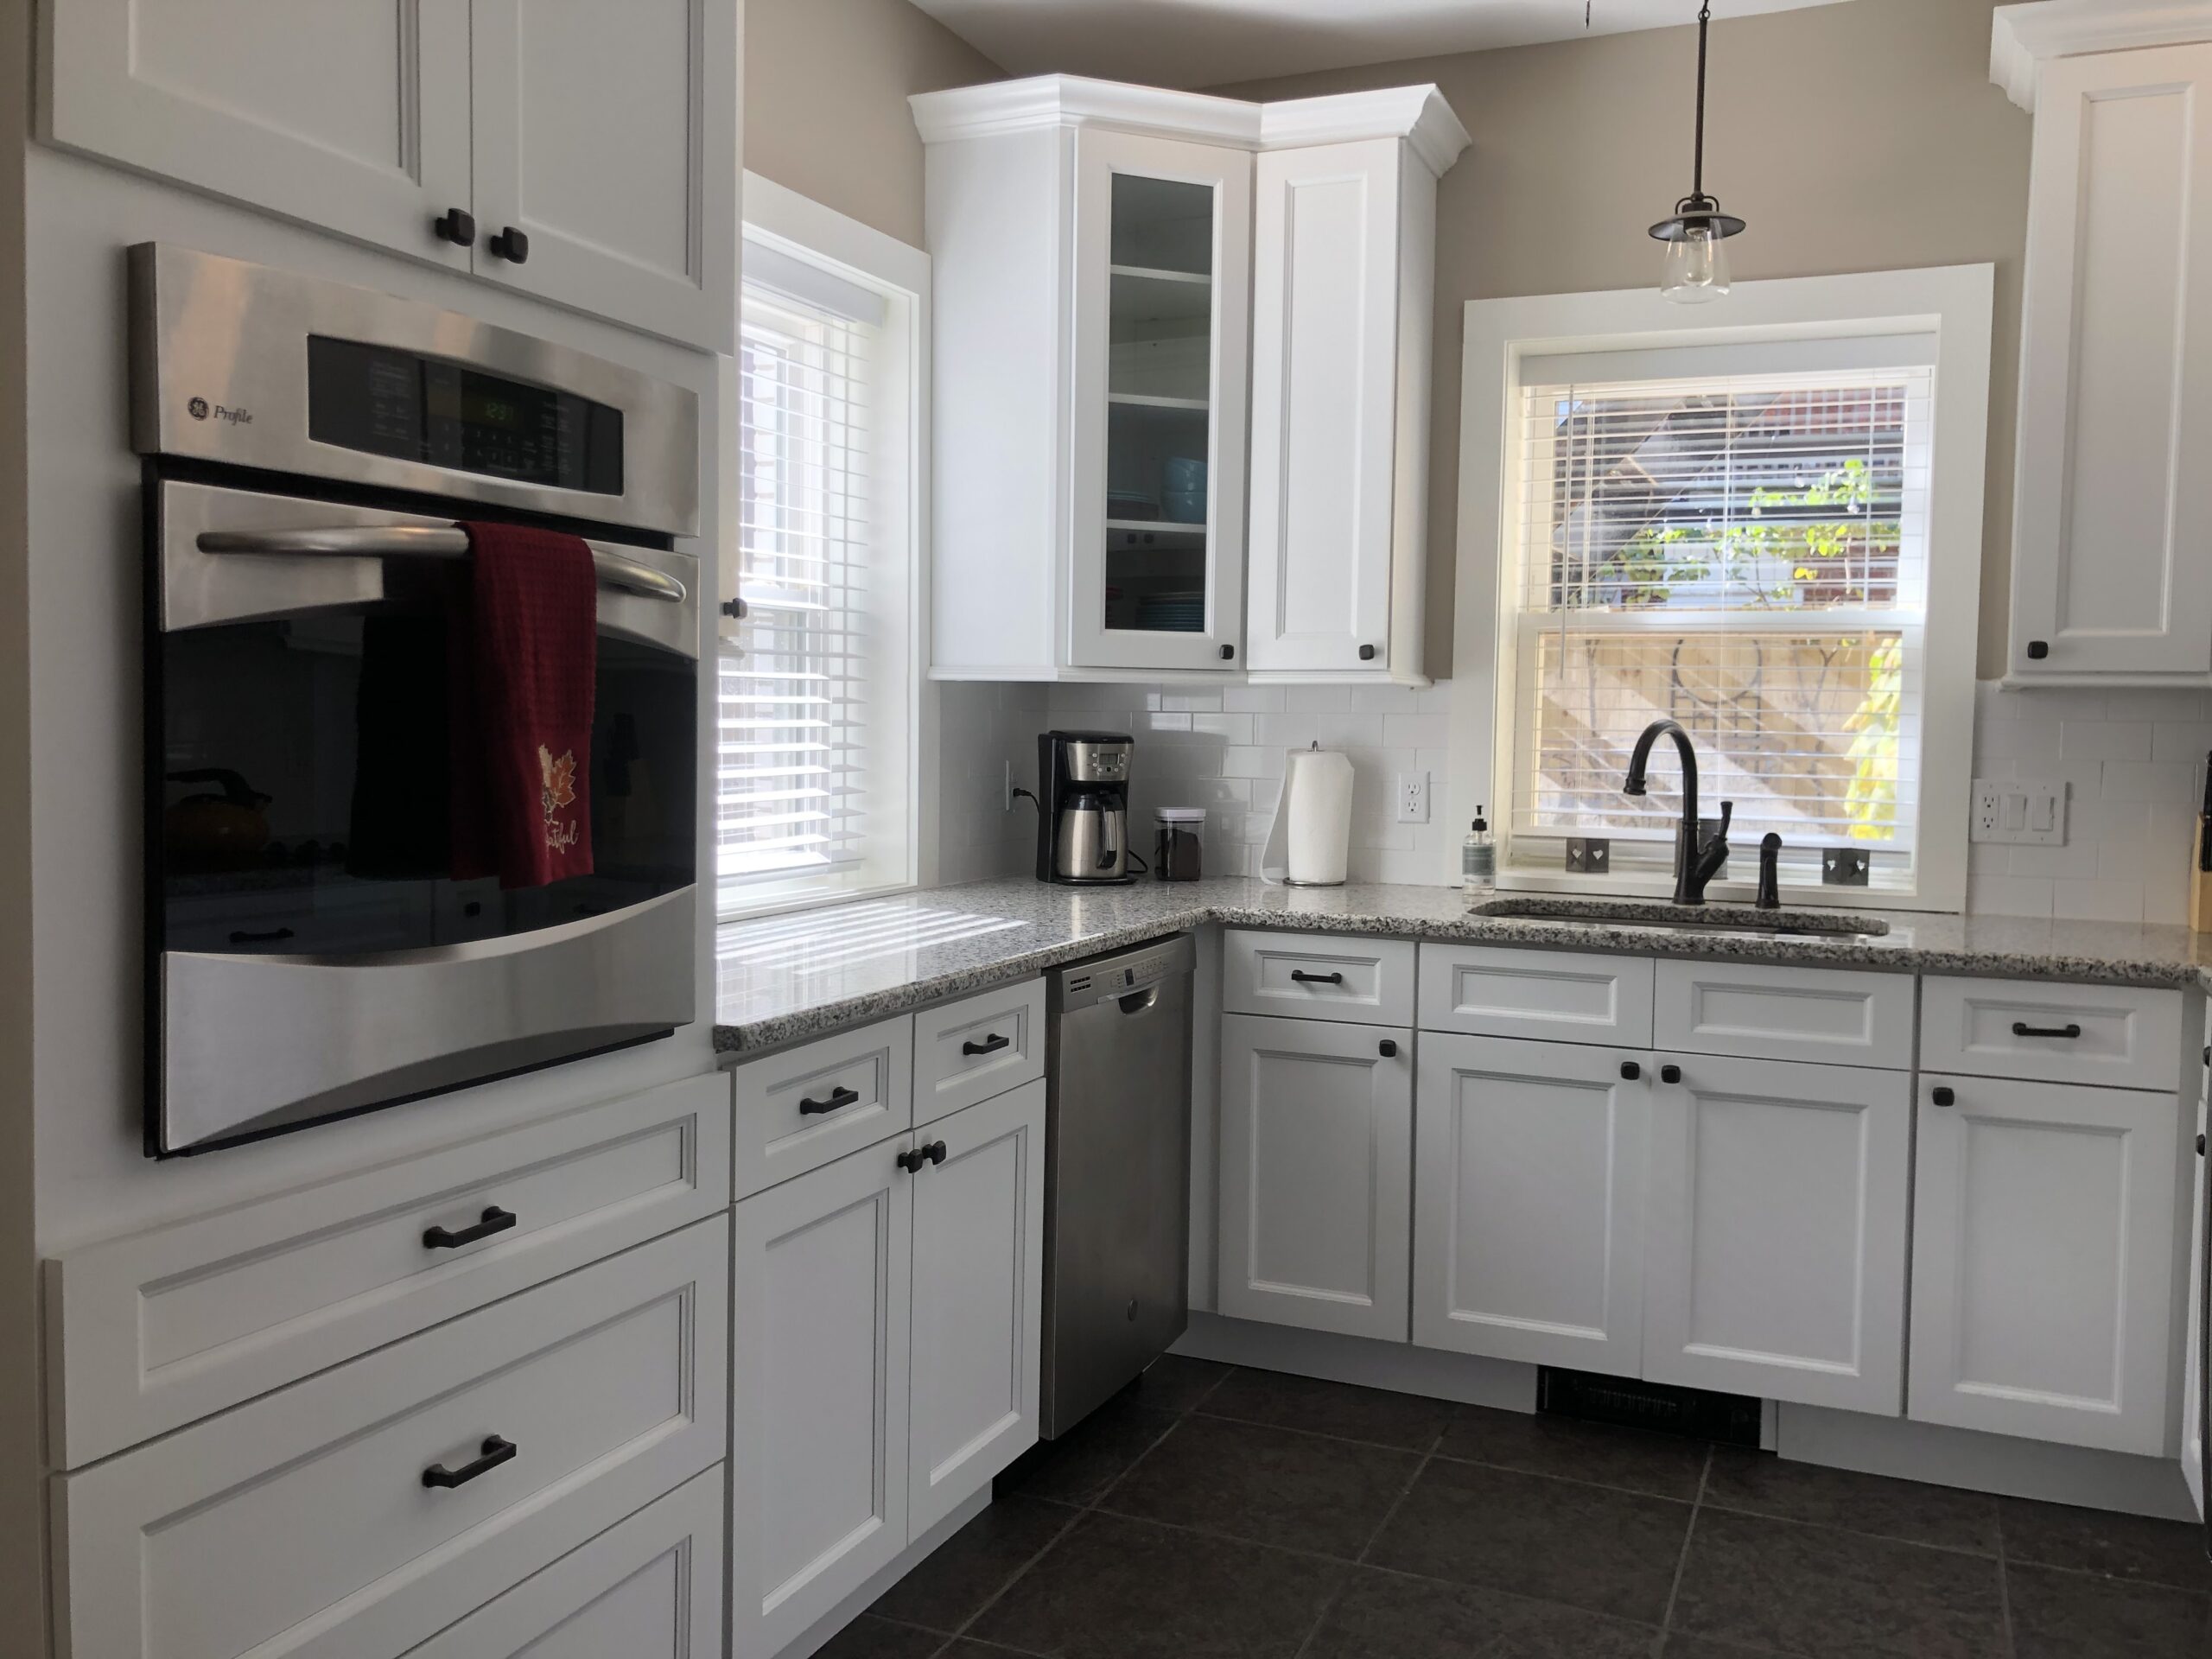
<point x="1865" y="136"/>
<point x="826" y="83"/>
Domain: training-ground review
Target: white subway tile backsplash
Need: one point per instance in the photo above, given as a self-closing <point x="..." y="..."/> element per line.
<point x="2183" y="740"/>
<point x="2008" y="895"/>
<point x="2147" y="780"/>
<point x="1416" y="731"/>
<point x="2096" y="902"/>
<point x="2103" y="739"/>
<point x="1252" y="699"/>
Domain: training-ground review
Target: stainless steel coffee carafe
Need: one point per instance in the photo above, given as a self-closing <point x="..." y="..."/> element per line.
<point x="1093" y="841"/>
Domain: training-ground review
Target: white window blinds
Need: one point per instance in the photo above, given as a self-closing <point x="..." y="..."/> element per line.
<point x="794" y="744"/>
<point x="1745" y="554"/>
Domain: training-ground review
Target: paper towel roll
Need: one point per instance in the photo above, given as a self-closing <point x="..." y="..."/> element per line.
<point x="1310" y="844"/>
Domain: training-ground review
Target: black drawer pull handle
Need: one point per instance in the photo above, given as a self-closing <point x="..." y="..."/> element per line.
<point x="935" y="1151"/>
<point x="496" y="1452"/>
<point x="2021" y="1028"/>
<point x="494" y="1220"/>
<point x="1943" y="1096"/>
<point x="1630" y="1070"/>
<point x="990" y="1045"/>
<point x="1671" y="1074"/>
<point x="839" y="1099"/>
<point x="1304" y="978"/>
<point x="242" y="937"/>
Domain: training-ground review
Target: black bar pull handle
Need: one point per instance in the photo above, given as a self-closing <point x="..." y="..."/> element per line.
<point x="2021" y="1028"/>
<point x="496" y="1452"/>
<point x="494" y="1220"/>
<point x="990" y="1045"/>
<point x="840" y="1097"/>
<point x="1304" y="978"/>
<point x="241" y="935"/>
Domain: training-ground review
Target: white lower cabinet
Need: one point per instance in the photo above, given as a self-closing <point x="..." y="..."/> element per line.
<point x="2043" y="1246"/>
<point x="2192" y="1391"/>
<point x="1316" y="1175"/>
<point x="1776" y="1264"/>
<point x="886" y="1368"/>
<point x="1529" y="1202"/>
<point x="649" y="1587"/>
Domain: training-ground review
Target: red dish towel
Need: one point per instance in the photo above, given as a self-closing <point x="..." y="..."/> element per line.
<point x="521" y="666"/>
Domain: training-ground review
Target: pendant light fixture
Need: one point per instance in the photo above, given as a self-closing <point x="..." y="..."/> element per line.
<point x="1696" y="238"/>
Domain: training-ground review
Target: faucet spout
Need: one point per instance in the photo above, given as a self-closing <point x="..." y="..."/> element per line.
<point x="1696" y="860"/>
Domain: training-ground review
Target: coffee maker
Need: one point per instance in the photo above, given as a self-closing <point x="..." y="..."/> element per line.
<point x="1083" y="830"/>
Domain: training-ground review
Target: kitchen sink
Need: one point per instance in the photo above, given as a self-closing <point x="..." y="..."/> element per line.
<point x="1720" y="919"/>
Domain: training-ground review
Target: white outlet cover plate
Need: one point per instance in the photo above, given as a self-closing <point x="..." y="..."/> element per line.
<point x="1413" y="797"/>
<point x="2016" y="813"/>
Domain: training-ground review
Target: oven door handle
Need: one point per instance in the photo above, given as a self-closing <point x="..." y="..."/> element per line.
<point x="425" y="542"/>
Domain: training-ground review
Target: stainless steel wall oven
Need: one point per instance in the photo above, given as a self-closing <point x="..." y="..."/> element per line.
<point x="309" y="447"/>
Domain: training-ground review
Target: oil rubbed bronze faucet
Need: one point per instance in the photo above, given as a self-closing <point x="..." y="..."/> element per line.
<point x="1696" y="860"/>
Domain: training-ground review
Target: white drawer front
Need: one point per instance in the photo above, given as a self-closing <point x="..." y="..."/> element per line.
<point x="2127" y="1036"/>
<point x="1319" y="976"/>
<point x="161" y="1328"/>
<point x="650" y="1588"/>
<point x="969" y="1051"/>
<point x="1765" y="1011"/>
<point x="1567" y="997"/>
<point x="303" y="1524"/>
<point x="801" y="1108"/>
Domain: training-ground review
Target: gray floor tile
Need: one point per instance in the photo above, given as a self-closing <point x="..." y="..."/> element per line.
<point x="1270" y="1485"/>
<point x="966" y="1648"/>
<point x="1636" y="1462"/>
<point x="1115" y="1589"/>
<point x="1387" y="1616"/>
<point x="1761" y="1484"/>
<point x="1406" y="1421"/>
<point x="1091" y="1457"/>
<point x="2059" y="1615"/>
<point x="1610" y="1552"/>
<point x="1814" y="1590"/>
<point x="974" y="1564"/>
<point x="869" y="1638"/>
<point x="2097" y="1540"/>
<point x="1173" y="1382"/>
<point x="1683" y="1645"/>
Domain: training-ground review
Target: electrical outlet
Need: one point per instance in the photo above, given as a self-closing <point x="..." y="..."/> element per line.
<point x="2018" y="814"/>
<point x="1413" y="797"/>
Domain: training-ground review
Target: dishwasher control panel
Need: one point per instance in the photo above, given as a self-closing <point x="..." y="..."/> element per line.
<point x="1123" y="973"/>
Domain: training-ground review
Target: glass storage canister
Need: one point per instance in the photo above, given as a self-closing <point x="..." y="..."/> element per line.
<point x="1175" y="845"/>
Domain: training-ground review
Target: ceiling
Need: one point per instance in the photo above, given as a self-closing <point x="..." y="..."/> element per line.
<point x="1186" y="43"/>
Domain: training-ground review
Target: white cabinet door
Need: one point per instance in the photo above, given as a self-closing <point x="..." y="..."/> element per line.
<point x="820" y="1290"/>
<point x="353" y="117"/>
<point x="1324" y="384"/>
<point x="1529" y="1202"/>
<point x="1776" y="1222"/>
<point x="979" y="1284"/>
<point x="2192" y="1391"/>
<point x="2113" y="509"/>
<point x="2042" y="1261"/>
<point x="1163" y="252"/>
<point x="606" y="140"/>
<point x="1316" y="1175"/>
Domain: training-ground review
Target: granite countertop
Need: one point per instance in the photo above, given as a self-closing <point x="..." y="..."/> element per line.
<point x="785" y="978"/>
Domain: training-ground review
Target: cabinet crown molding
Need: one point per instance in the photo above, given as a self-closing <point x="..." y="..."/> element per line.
<point x="2022" y="37"/>
<point x="1417" y="114"/>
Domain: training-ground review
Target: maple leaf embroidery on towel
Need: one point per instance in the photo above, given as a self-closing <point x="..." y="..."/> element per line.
<point x="560" y="791"/>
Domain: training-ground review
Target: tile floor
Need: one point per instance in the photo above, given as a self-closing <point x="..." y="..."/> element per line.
<point x="1230" y="1513"/>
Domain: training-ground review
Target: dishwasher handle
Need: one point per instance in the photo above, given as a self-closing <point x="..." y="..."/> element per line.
<point x="1137" y="1002"/>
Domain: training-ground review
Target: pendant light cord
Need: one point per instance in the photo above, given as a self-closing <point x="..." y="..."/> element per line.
<point x="1697" y="175"/>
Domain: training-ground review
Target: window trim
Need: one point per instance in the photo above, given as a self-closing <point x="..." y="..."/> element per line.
<point x="1955" y="303"/>
<point x="778" y="219"/>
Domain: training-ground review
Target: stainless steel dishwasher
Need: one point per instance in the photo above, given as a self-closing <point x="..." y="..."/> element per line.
<point x="1117" y="1172"/>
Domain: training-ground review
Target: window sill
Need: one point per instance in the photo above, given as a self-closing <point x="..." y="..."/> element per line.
<point x="793" y="904"/>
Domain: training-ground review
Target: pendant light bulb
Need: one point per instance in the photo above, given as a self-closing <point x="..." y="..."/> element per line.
<point x="1696" y="238"/>
<point x="1696" y="267"/>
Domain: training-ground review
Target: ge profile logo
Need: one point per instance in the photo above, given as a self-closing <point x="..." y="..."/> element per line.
<point x="197" y="409"/>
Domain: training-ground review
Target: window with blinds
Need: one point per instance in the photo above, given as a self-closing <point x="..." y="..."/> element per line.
<point x="1745" y="554"/>
<point x="796" y="749"/>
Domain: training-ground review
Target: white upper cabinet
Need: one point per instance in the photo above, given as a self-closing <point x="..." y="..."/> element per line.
<point x="2112" y="512"/>
<point x="1344" y="281"/>
<point x="1096" y="279"/>
<point x="583" y="152"/>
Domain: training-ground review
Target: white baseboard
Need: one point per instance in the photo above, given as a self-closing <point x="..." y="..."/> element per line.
<point x="817" y="1636"/>
<point x="1468" y="1378"/>
<point x="1983" y="1463"/>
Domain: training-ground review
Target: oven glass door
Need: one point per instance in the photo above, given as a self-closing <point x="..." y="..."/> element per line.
<point x="298" y="819"/>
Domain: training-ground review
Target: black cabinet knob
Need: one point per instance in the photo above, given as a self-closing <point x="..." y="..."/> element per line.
<point x="1630" y="1070"/>
<point x="456" y="226"/>
<point x="2038" y="649"/>
<point x="935" y="1151"/>
<point x="1671" y="1074"/>
<point x="510" y="244"/>
<point x="912" y="1160"/>
<point x="2200" y="1146"/>
<point x="1227" y="654"/>
<point x="1366" y="653"/>
<point x="1944" y="1097"/>
<point x="1387" y="1049"/>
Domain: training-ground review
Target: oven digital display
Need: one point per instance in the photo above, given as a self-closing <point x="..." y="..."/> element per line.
<point x="385" y="402"/>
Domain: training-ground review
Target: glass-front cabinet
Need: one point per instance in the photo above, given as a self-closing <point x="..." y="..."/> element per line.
<point x="1162" y="301"/>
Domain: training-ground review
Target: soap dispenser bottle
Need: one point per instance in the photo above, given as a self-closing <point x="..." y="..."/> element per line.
<point x="1478" y="858"/>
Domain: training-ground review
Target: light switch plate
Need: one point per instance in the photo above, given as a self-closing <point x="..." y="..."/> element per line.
<point x="1413" y="797"/>
<point x="2018" y="814"/>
